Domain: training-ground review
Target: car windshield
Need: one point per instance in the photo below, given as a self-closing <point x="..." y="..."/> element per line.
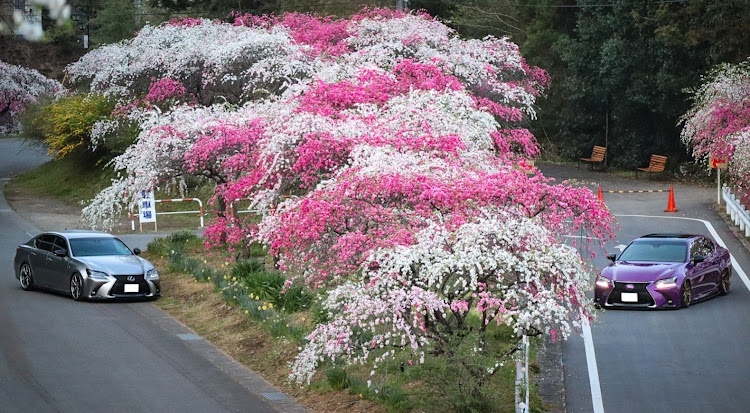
<point x="655" y="250"/>
<point x="94" y="247"/>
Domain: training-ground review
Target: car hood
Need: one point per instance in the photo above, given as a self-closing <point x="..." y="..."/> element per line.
<point x="116" y="264"/>
<point x="624" y="271"/>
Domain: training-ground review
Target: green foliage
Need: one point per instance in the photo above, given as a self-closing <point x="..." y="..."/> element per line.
<point x="280" y="325"/>
<point x="64" y="36"/>
<point x="264" y="284"/>
<point x="258" y="250"/>
<point x="319" y="313"/>
<point x="294" y="299"/>
<point x="337" y="378"/>
<point x="217" y="8"/>
<point x="66" y="123"/>
<point x="184" y="237"/>
<point x="76" y="178"/>
<point x="479" y="18"/>
<point x="269" y="285"/>
<point x="328" y="8"/>
<point x="26" y="119"/>
<point x="394" y="399"/>
<point x="115" y="21"/>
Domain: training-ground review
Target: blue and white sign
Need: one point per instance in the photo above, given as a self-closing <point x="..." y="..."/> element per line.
<point x="146" y="207"/>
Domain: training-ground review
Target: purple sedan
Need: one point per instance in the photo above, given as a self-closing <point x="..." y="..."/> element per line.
<point x="664" y="271"/>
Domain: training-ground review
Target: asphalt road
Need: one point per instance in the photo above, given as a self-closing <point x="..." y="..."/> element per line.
<point x="687" y="360"/>
<point x="58" y="355"/>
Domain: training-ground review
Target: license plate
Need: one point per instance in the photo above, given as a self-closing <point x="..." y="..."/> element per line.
<point x="131" y="288"/>
<point x="629" y="297"/>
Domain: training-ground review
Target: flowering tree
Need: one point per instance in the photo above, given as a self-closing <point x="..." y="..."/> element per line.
<point x="20" y="87"/>
<point x="718" y="124"/>
<point x="386" y="173"/>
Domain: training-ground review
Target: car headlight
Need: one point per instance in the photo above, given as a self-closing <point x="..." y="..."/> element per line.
<point x="98" y="275"/>
<point x="603" y="282"/>
<point x="667" y="283"/>
<point x="152" y="274"/>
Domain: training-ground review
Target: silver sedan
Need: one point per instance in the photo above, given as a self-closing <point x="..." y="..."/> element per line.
<point x="86" y="265"/>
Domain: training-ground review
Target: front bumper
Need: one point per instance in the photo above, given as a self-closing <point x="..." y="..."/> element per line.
<point x="637" y="295"/>
<point x="116" y="288"/>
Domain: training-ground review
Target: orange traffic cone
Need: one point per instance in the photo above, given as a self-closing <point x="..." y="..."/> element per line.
<point x="601" y="194"/>
<point x="671" y="207"/>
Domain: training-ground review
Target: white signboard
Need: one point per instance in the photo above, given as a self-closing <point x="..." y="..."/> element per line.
<point x="146" y="208"/>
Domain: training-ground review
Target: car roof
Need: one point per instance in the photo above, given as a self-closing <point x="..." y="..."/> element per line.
<point x="682" y="236"/>
<point x="672" y="236"/>
<point x="81" y="233"/>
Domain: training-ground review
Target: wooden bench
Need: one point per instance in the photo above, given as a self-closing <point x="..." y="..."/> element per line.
<point x="597" y="156"/>
<point x="656" y="165"/>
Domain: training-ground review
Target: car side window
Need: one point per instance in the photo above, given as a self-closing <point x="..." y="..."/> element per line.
<point x="60" y="243"/>
<point x="702" y="246"/>
<point x="45" y="242"/>
<point x="707" y="246"/>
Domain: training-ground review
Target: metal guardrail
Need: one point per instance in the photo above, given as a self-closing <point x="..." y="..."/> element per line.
<point x="736" y="211"/>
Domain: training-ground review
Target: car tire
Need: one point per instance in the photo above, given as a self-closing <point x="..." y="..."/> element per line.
<point x="686" y="294"/>
<point x="26" y="278"/>
<point x="724" y="283"/>
<point x="76" y="287"/>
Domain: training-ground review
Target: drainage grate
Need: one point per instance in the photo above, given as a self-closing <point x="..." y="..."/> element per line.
<point x="189" y="336"/>
<point x="274" y="396"/>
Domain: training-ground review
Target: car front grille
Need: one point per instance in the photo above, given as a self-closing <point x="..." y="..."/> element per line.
<point x="644" y="297"/>
<point x="119" y="287"/>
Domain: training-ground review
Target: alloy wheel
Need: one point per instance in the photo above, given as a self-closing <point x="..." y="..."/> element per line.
<point x="686" y="294"/>
<point x="725" y="282"/>
<point x="25" y="277"/>
<point x="76" y="286"/>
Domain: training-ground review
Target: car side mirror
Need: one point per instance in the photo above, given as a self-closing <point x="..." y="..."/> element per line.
<point x="136" y="251"/>
<point x="697" y="259"/>
<point x="612" y="257"/>
<point x="60" y="252"/>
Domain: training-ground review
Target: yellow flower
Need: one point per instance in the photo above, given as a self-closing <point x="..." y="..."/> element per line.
<point x="234" y="297"/>
<point x="303" y="318"/>
<point x="246" y="312"/>
<point x="208" y="278"/>
<point x="270" y="305"/>
<point x="287" y="325"/>
<point x="265" y="308"/>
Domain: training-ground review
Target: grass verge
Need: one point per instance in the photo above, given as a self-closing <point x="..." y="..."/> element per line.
<point x="237" y="306"/>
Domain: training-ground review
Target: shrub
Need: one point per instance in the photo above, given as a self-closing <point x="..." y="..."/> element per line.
<point x="394" y="399"/>
<point x="184" y="237"/>
<point x="337" y="378"/>
<point x="264" y="284"/>
<point x="66" y="124"/>
<point x="294" y="299"/>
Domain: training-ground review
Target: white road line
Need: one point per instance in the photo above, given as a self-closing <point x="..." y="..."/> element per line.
<point x="596" y="390"/>
<point x="735" y="264"/>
